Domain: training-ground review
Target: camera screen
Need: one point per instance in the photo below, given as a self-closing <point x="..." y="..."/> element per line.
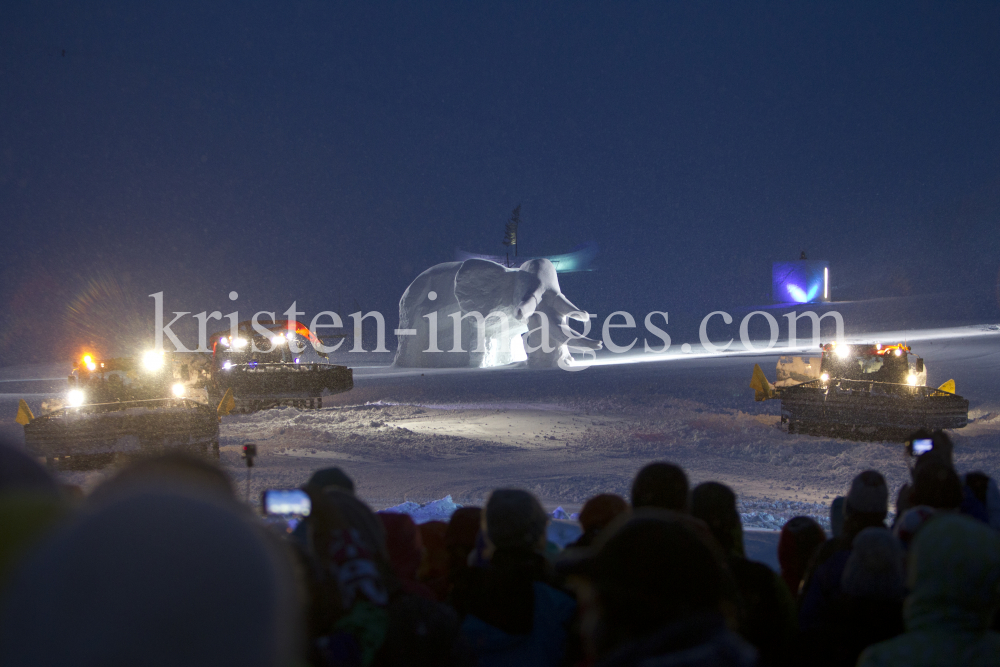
<point x="922" y="446"/>
<point x="287" y="502"/>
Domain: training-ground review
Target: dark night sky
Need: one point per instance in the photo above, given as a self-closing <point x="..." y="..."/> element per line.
<point x="329" y="152"/>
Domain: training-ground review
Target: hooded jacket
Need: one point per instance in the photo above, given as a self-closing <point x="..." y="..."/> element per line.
<point x="544" y="645"/>
<point x="954" y="579"/>
<point x="514" y="616"/>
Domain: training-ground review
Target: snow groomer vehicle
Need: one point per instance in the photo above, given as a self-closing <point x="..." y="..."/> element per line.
<point x="867" y="391"/>
<point x="124" y="407"/>
<point x="263" y="366"/>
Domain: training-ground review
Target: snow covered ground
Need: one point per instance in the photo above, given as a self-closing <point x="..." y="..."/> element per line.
<point x="420" y="435"/>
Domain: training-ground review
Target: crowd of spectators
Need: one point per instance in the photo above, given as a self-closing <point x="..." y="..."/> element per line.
<point x="161" y="564"/>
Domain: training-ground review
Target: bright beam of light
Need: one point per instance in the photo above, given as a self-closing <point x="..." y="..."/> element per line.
<point x="152" y="360"/>
<point x="737" y="349"/>
<point x="75" y="398"/>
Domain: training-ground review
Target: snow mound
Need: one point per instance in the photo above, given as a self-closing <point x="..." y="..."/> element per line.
<point x="436" y="510"/>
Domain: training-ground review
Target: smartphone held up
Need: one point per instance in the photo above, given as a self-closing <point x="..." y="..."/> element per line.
<point x="286" y="506"/>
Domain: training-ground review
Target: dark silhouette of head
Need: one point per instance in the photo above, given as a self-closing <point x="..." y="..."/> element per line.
<point x="942" y="449"/>
<point x="515" y="520"/>
<point x="403" y="543"/>
<point x="330" y="477"/>
<point x="866" y="503"/>
<point x="650" y="573"/>
<point x="601" y="510"/>
<point x="663" y="485"/>
<point x="936" y="485"/>
<point x="800" y="538"/>
<point x="175" y="470"/>
<point x="715" y="504"/>
<point x="460" y="537"/>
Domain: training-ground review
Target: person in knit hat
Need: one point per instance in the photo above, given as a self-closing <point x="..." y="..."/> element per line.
<point x="906" y="526"/>
<point x="869" y="496"/>
<point x="875" y="567"/>
<point x="866" y="505"/>
<point x="869" y="607"/>
<point x="514" y="613"/>
<point x="514" y="519"/>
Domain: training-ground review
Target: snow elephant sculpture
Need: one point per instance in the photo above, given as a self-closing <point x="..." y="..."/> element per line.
<point x="478" y="313"/>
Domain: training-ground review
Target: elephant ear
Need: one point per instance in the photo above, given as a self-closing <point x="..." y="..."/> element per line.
<point x="484" y="286"/>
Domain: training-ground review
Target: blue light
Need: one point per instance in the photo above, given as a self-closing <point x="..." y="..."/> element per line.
<point x="798" y="294"/>
<point x="252" y="364"/>
<point x="802" y="281"/>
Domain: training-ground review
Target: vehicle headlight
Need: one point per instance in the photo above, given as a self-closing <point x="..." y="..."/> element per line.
<point x="226" y="365"/>
<point x="225" y="341"/>
<point x="843" y="351"/>
<point x="75" y="398"/>
<point x="898" y="352"/>
<point x="89" y="363"/>
<point x="240" y="342"/>
<point x="152" y="360"/>
<point x="911" y="379"/>
<point x="824" y="377"/>
<point x="178" y="389"/>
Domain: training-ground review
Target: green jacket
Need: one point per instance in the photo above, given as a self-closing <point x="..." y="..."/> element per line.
<point x="953" y="574"/>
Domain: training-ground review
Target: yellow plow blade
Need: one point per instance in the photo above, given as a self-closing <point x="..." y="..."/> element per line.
<point x="948" y="386"/>
<point x="227" y="404"/>
<point x="24" y="416"/>
<point x="763" y="390"/>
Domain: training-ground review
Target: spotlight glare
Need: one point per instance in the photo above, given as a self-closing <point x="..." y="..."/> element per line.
<point x="152" y="360"/>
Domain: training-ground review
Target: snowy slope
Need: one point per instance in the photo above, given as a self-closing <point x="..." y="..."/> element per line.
<point x="412" y="435"/>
